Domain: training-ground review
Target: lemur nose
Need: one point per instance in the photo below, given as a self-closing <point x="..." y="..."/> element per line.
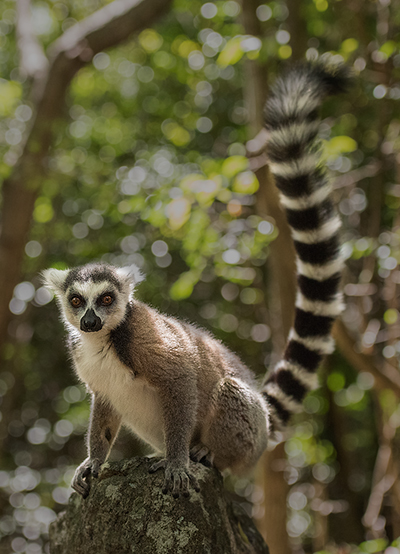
<point x="90" y="322"/>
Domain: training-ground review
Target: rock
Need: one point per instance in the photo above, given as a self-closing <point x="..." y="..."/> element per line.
<point x="127" y="512"/>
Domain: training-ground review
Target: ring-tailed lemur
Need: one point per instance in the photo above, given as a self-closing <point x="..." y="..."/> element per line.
<point x="173" y="384"/>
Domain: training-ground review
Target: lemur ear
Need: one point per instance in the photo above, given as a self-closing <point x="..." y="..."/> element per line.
<point x="54" y="279"/>
<point x="131" y="274"/>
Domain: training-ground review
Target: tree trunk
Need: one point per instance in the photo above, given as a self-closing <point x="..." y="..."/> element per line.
<point x="270" y="472"/>
<point x="105" y="28"/>
<point x="126" y="512"/>
<point x="281" y="291"/>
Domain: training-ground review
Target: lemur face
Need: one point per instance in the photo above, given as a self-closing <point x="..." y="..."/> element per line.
<point x="89" y="306"/>
<point x="94" y="297"/>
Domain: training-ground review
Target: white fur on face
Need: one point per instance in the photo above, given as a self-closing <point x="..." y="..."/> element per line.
<point x="90" y="290"/>
<point x="110" y="316"/>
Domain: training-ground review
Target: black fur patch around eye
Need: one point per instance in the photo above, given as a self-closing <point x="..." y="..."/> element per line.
<point x="108" y="434"/>
<point x="121" y="338"/>
<point x="73" y="295"/>
<point x="99" y="300"/>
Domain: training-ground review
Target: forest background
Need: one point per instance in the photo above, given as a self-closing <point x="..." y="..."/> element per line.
<point x="131" y="132"/>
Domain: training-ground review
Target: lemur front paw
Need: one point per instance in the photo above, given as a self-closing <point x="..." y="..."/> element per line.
<point x="81" y="480"/>
<point x="177" y="478"/>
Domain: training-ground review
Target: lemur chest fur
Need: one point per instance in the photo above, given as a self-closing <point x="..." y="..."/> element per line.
<point x="98" y="366"/>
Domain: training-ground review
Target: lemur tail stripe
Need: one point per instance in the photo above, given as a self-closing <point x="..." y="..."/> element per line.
<point x="300" y="354"/>
<point x="294" y="168"/>
<point x="309" y="219"/>
<point x="331" y="308"/>
<point x="326" y="231"/>
<point x="319" y="290"/>
<point x="288" y="141"/>
<point x="292" y="125"/>
<point x="304" y="202"/>
<point x="308" y="379"/>
<point x="320" y="272"/>
<point x="322" y="345"/>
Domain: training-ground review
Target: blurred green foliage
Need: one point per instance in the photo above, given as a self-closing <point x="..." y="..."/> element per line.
<point x="149" y="167"/>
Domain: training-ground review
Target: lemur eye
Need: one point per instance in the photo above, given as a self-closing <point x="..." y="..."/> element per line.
<point x="107" y="300"/>
<point x="76" y="302"/>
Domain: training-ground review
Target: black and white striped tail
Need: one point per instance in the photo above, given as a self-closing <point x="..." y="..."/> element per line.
<point x="291" y="120"/>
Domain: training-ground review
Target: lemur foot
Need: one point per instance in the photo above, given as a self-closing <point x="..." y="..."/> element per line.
<point x="81" y="479"/>
<point x="177" y="478"/>
<point x="202" y="454"/>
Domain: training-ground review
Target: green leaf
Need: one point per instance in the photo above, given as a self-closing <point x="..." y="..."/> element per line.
<point x="377" y="545"/>
<point x="178" y="212"/>
<point x="189" y="182"/>
<point x="246" y="183"/>
<point x="339" y="145"/>
<point x="391" y="316"/>
<point x="196" y="231"/>
<point x="336" y="381"/>
<point x="43" y="212"/>
<point x="388" y="48"/>
<point x="349" y="45"/>
<point x="233" y="165"/>
<point x="10" y="93"/>
<point x="231" y="53"/>
<point x="150" y="40"/>
<point x="183" y="286"/>
<point x="177" y="134"/>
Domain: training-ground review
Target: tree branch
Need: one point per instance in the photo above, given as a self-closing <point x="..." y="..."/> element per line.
<point x="33" y="61"/>
<point x="353" y="177"/>
<point x="281" y="279"/>
<point x="258" y="144"/>
<point x="382" y="481"/>
<point x="297" y="29"/>
<point x="108" y="27"/>
<point x="361" y="362"/>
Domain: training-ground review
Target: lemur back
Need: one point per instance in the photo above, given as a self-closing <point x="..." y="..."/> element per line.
<point x="177" y="387"/>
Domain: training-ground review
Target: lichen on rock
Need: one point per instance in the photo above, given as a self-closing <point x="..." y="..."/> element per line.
<point x="126" y="512"/>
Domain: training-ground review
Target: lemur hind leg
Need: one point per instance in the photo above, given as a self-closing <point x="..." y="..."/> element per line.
<point x="202" y="454"/>
<point x="236" y="430"/>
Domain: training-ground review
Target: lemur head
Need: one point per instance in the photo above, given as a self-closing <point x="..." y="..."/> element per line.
<point x="93" y="297"/>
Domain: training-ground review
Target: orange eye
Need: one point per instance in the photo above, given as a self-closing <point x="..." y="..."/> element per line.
<point x="76" y="302"/>
<point x="107" y="300"/>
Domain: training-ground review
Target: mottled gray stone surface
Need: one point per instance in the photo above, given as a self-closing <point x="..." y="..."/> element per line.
<point x="126" y="512"/>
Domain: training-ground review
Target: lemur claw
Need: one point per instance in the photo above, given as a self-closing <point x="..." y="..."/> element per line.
<point x="177" y="478"/>
<point x="81" y="480"/>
